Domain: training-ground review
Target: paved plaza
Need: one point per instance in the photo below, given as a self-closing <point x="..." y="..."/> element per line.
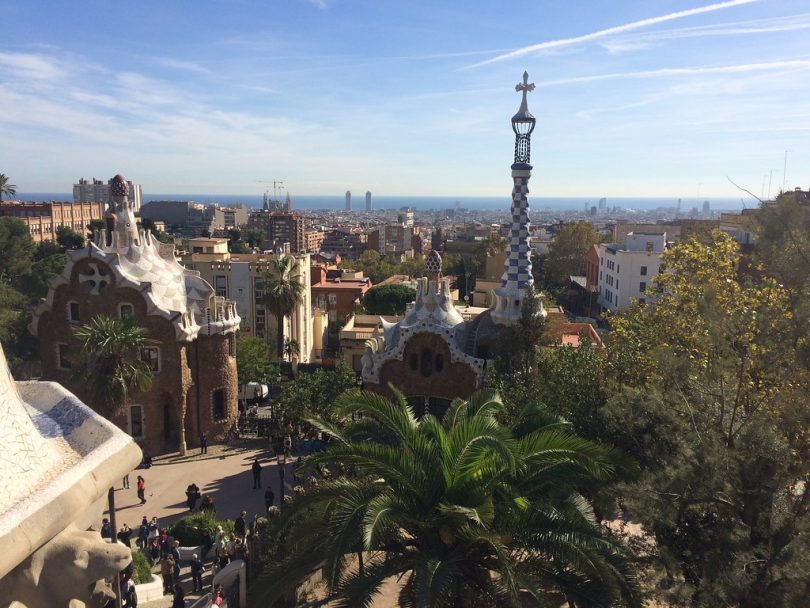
<point x="224" y="473"/>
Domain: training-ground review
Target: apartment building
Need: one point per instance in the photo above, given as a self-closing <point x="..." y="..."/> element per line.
<point x="626" y="269"/>
<point x="43" y="219"/>
<point x="241" y="278"/>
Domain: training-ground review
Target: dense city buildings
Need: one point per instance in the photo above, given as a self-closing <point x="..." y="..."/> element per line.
<point x="44" y="219"/>
<point x="125" y="273"/>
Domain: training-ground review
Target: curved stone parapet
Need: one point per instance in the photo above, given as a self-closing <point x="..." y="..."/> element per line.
<point x="54" y="480"/>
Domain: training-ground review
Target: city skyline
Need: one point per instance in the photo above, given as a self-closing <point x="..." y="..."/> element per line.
<point x="669" y="99"/>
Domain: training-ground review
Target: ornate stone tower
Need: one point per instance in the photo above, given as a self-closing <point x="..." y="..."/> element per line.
<point x="517" y="279"/>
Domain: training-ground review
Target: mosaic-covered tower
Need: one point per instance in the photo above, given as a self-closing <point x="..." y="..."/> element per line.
<point x="517" y="279"/>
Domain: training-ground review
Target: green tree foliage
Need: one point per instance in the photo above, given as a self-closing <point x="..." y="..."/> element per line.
<point x="114" y="368"/>
<point x="6" y="187"/>
<point x="16" y="251"/>
<point x="254" y="238"/>
<point x="714" y="409"/>
<point x="388" y="299"/>
<point x="283" y="291"/>
<point x="235" y="242"/>
<point x="149" y="224"/>
<point x="374" y="266"/>
<point x="518" y="343"/>
<point x="566" y="253"/>
<point x="69" y="238"/>
<point x="253" y="363"/>
<point x="461" y="512"/>
<point x="315" y="393"/>
<point x="97" y="225"/>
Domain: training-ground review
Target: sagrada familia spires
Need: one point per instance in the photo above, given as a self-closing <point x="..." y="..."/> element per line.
<point x="517" y="273"/>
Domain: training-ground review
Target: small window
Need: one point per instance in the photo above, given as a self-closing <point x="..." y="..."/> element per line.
<point x="221" y="286"/>
<point x="218" y="404"/>
<point x="617" y="283"/>
<point x="333" y="298"/>
<point x="261" y="319"/>
<point x="62" y="361"/>
<point x="642" y="287"/>
<point x="644" y="271"/>
<point x="151" y="356"/>
<point x="439" y="363"/>
<point x="73" y="312"/>
<point x="136" y="421"/>
<point x="649" y="245"/>
<point x="642" y="301"/>
<point x="618" y="267"/>
<point x="125" y="311"/>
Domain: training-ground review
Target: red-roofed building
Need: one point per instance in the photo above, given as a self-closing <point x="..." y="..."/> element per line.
<point x="337" y="296"/>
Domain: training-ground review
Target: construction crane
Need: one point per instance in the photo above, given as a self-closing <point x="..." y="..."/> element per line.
<point x="277" y="186"/>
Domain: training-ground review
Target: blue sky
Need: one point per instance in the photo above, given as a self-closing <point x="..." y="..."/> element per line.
<point x="633" y="97"/>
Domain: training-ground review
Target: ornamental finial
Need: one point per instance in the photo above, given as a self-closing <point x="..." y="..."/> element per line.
<point x="524" y="87"/>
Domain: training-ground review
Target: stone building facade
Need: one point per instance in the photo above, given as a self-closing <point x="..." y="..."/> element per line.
<point x="43" y="219"/>
<point x="127" y="273"/>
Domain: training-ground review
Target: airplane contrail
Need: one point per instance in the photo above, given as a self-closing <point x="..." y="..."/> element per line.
<point x="550" y="44"/>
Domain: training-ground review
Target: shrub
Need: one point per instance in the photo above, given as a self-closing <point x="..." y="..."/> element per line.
<point x="189" y="530"/>
<point x="141" y="568"/>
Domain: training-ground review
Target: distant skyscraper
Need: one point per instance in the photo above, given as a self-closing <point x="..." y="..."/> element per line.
<point x="368" y="201"/>
<point x="348" y="200"/>
<point x="288" y="203"/>
<point x="679" y="206"/>
<point x="706" y="208"/>
<point x="602" y="206"/>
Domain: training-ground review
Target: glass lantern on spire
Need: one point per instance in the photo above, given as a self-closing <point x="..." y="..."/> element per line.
<point x="523" y="124"/>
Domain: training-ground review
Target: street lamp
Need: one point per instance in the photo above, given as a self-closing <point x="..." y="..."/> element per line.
<point x="282" y="460"/>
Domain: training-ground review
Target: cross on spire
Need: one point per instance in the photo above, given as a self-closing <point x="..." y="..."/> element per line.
<point x="525" y="87"/>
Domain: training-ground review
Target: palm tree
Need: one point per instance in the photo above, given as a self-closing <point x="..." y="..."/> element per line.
<point x="5" y="187"/>
<point x="283" y="291"/>
<point x="115" y="369"/>
<point x="460" y="512"/>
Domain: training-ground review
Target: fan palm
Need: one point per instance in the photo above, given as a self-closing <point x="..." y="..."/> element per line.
<point x="461" y="512"/>
<point x="114" y="370"/>
<point x="6" y="187"/>
<point x="282" y="293"/>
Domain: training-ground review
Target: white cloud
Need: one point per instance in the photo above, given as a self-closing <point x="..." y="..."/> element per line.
<point x="551" y="44"/>
<point x="30" y="66"/>
<point x="790" y="64"/>
<point x="179" y="64"/>
<point x="649" y="40"/>
<point x="321" y="4"/>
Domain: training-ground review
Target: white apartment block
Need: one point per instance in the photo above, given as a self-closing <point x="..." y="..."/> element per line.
<point x="626" y="269"/>
<point x="98" y="191"/>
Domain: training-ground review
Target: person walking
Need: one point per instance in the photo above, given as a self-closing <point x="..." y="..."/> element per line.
<point x="143" y="534"/>
<point x="179" y="598"/>
<point x="175" y="552"/>
<point x="287" y="446"/>
<point x="197" y="568"/>
<point x="269" y="498"/>
<point x="192" y="496"/>
<point x="106" y="529"/>
<point x="257" y="474"/>
<point x="142" y="489"/>
<point x="203" y="444"/>
<point x="125" y="534"/>
<point x="167" y="571"/>
<point x="239" y="525"/>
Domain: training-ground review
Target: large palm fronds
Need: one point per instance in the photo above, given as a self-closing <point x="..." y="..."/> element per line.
<point x="460" y="512"/>
<point x="283" y="291"/>
<point x="114" y="368"/>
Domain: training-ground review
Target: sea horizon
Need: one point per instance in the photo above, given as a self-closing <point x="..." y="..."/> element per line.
<point x="427" y="203"/>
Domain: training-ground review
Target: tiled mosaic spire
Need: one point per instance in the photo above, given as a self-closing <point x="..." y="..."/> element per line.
<point x="517" y="273"/>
